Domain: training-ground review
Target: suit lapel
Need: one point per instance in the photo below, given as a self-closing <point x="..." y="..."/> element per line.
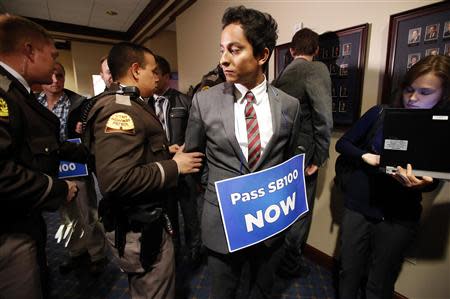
<point x="275" y="110"/>
<point x="227" y="115"/>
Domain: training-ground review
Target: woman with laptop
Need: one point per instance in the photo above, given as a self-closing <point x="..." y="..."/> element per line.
<point x="382" y="211"/>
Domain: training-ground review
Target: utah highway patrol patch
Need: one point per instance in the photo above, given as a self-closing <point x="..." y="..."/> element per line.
<point x="4" y="112"/>
<point x="120" y="123"/>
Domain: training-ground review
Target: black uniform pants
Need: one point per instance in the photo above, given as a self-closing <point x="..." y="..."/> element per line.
<point x="372" y="249"/>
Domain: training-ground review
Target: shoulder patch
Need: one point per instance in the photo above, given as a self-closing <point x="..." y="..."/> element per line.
<point x="123" y="100"/>
<point x="4" y="112"/>
<point x="205" y="87"/>
<point x="120" y="123"/>
<point x="4" y="83"/>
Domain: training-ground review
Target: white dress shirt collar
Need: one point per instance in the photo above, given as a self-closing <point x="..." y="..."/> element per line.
<point x="16" y="75"/>
<point x="258" y="91"/>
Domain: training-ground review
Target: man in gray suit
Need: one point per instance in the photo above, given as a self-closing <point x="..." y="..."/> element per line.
<point x="218" y="126"/>
<point x="309" y="81"/>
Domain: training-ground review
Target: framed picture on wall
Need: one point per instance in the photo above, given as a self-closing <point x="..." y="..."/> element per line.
<point x="414" y="34"/>
<point x="346" y="55"/>
<point x="282" y="58"/>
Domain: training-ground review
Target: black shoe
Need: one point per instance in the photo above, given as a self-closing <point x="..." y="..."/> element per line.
<point x="97" y="267"/>
<point x="73" y="263"/>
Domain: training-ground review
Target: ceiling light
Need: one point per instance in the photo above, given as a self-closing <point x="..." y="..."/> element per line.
<point x="111" y="13"/>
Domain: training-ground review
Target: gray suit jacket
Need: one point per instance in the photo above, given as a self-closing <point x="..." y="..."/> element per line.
<point x="310" y="83"/>
<point x="211" y="130"/>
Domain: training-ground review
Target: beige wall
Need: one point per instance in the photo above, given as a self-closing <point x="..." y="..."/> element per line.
<point x="82" y="61"/>
<point x="65" y="58"/>
<point x="198" y="38"/>
<point x="165" y="45"/>
<point x="86" y="62"/>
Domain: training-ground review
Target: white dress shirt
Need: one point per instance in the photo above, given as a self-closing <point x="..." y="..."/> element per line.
<point x="16" y="75"/>
<point x="165" y="107"/>
<point x="263" y="114"/>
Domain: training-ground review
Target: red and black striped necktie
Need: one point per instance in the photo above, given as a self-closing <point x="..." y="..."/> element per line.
<point x="254" y="140"/>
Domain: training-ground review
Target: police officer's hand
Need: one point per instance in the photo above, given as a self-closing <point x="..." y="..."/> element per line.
<point x="188" y="162"/>
<point x="174" y="148"/>
<point x="72" y="190"/>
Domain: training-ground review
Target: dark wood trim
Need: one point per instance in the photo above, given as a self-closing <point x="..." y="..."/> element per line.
<point x="155" y="23"/>
<point x="173" y="17"/>
<point x="149" y="11"/>
<point x="81" y="39"/>
<point x="81" y="30"/>
<point x="330" y="263"/>
<point x="394" y="21"/>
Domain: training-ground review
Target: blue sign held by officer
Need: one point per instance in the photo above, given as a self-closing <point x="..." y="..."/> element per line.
<point x="72" y="169"/>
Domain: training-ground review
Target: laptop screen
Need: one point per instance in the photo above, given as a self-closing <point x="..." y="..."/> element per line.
<point x="420" y="137"/>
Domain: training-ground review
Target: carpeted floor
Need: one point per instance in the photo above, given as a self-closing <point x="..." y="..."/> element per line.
<point x="192" y="284"/>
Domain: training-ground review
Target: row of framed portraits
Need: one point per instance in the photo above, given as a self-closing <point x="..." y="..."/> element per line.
<point x="336" y="51"/>
<point x="431" y="33"/>
<point x="413" y="58"/>
<point x="413" y="35"/>
<point x="344" y="53"/>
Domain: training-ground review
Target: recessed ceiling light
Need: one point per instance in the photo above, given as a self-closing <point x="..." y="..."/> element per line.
<point x="111" y="13"/>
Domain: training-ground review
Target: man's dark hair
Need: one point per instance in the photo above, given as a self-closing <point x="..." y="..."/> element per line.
<point x="163" y="65"/>
<point x="305" y="42"/>
<point x="62" y="67"/>
<point x="260" y="28"/>
<point x="123" y="55"/>
<point x="14" y="30"/>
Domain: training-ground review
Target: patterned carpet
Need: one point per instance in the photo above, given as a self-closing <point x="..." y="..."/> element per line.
<point x="192" y="284"/>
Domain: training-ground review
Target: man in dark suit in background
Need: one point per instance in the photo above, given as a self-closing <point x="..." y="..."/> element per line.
<point x="218" y="126"/>
<point x="30" y="151"/>
<point x="309" y="81"/>
<point x="172" y="108"/>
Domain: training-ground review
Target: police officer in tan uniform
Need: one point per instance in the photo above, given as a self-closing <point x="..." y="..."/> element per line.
<point x="29" y="157"/>
<point x="134" y="170"/>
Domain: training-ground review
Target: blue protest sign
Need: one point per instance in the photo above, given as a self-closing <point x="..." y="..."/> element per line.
<point x="256" y="206"/>
<point x="72" y="169"/>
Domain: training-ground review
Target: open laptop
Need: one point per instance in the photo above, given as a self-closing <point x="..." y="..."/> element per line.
<point x="420" y="137"/>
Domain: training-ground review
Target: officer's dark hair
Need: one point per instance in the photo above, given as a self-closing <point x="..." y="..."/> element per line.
<point x="260" y="28"/>
<point x="123" y="55"/>
<point x="163" y="65"/>
<point x="15" y="30"/>
<point x="305" y="42"/>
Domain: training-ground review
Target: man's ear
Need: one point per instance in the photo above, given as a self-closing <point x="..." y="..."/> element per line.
<point x="135" y="69"/>
<point x="316" y="52"/>
<point x="29" y="50"/>
<point x="264" y="56"/>
<point x="292" y="51"/>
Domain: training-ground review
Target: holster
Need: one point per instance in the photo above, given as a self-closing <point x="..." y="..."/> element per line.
<point x="150" y="224"/>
